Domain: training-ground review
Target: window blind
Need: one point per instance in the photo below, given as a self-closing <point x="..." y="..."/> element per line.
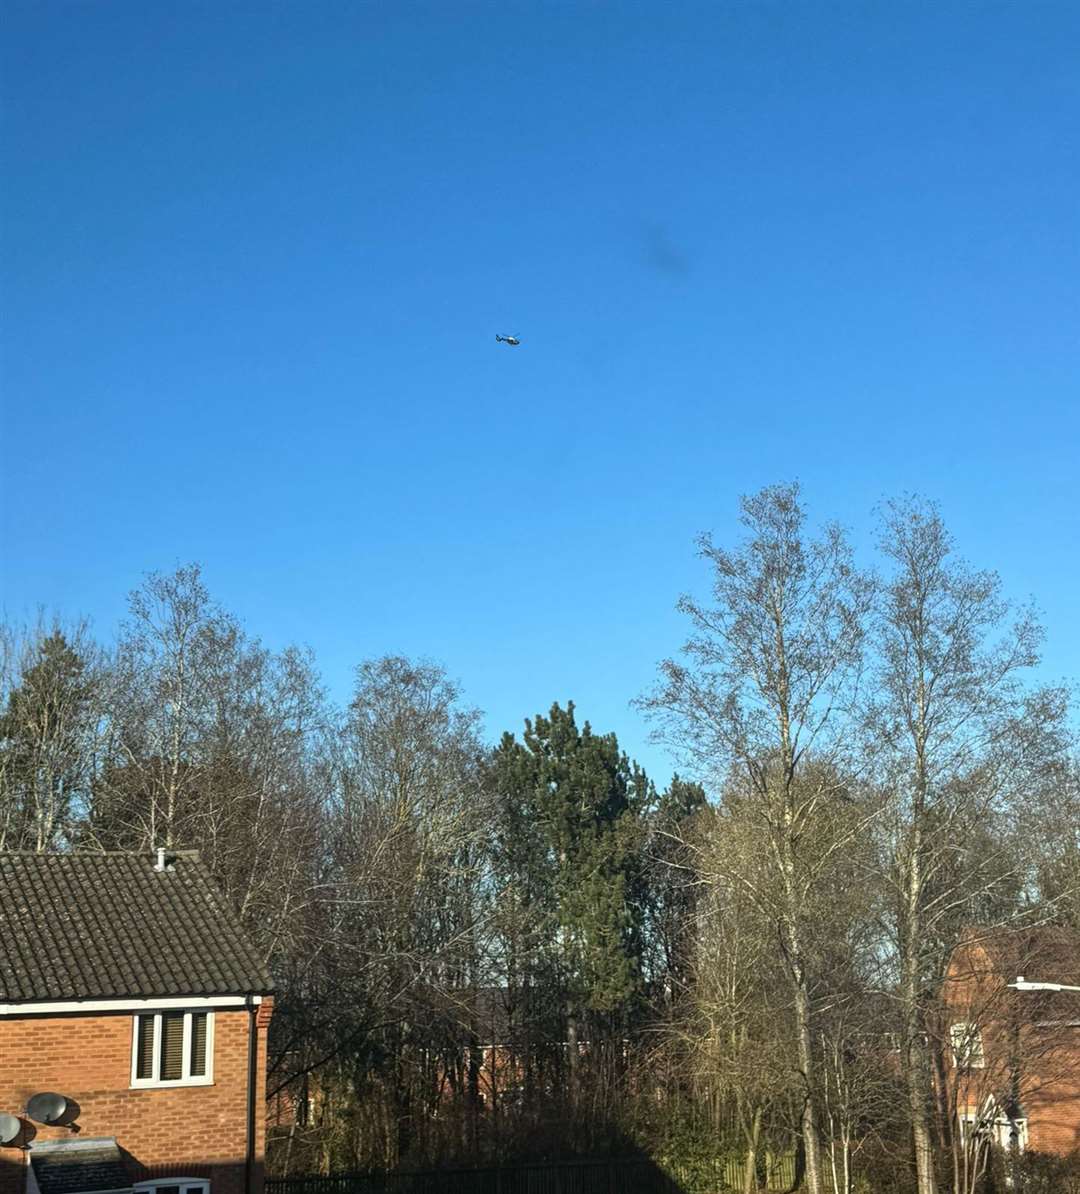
<point x="144" y="1048"/>
<point x="172" y="1046"/>
<point x="198" y="1044"/>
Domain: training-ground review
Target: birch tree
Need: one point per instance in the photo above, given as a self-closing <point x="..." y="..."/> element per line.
<point x="394" y="940"/>
<point x="160" y="709"/>
<point x="962" y="743"/>
<point x="735" y="1028"/>
<point x="213" y="743"/>
<point x="768" y="676"/>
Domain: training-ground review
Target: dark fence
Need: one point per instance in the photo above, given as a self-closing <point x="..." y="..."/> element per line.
<point x="633" y="1176"/>
<point x="573" y="1177"/>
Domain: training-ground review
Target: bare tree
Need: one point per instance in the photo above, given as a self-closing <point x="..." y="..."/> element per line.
<point x="1049" y="826"/>
<point x="394" y="940"/>
<point x="770" y="674"/>
<point x="213" y="742"/>
<point x="161" y="709"/>
<point x="960" y="742"/>
<point x="735" y="1030"/>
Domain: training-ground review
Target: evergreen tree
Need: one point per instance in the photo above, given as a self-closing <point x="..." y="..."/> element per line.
<point x="572" y="808"/>
<point x="45" y="745"/>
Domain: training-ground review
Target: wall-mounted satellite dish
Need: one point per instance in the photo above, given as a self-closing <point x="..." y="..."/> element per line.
<point x="10" y="1127"/>
<point x="46" y="1108"/>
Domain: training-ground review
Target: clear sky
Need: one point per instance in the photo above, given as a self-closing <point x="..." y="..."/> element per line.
<point x="255" y="257"/>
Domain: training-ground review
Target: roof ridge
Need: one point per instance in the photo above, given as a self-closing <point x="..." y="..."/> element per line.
<point x="173" y="852"/>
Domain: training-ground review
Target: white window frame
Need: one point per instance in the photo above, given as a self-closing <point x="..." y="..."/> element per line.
<point x="183" y="1183"/>
<point x="997" y="1131"/>
<point x="967" y="1046"/>
<point x="186" y="1079"/>
<point x="1003" y="1128"/>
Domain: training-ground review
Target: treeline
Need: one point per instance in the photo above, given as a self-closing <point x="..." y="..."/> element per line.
<point x="745" y="965"/>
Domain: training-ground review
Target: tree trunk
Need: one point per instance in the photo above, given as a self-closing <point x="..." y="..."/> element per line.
<point x="750" y="1174"/>
<point x="475" y="1062"/>
<point x="793" y="948"/>
<point x="811" y="1138"/>
<point x="916" y="1053"/>
<point x="572" y="1058"/>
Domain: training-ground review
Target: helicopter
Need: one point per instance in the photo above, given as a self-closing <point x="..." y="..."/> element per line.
<point x="513" y="341"/>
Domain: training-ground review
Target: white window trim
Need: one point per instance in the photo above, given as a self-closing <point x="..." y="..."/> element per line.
<point x="1004" y="1126"/>
<point x="996" y="1131"/>
<point x="206" y="1079"/>
<point x="151" y="1187"/>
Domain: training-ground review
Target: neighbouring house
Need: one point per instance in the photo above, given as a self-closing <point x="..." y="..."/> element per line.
<point x="133" y="1019"/>
<point x="1010" y="1065"/>
<point x="507" y="1027"/>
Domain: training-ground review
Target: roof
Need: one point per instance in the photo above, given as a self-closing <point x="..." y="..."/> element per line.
<point x="112" y="926"/>
<point x="1045" y="953"/>
<point x="70" y="1166"/>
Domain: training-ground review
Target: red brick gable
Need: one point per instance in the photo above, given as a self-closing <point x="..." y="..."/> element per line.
<point x="1030" y="1041"/>
<point x="190" y="1131"/>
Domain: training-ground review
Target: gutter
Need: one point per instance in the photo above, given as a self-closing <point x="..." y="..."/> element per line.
<point x="253" y="1070"/>
<point x="59" y="1007"/>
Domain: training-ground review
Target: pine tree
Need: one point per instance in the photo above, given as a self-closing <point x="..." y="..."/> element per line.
<point x="572" y="808"/>
<point x="45" y="754"/>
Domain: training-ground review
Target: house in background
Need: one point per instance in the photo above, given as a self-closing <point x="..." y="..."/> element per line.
<point x="1011" y="1058"/>
<point x="133" y="1020"/>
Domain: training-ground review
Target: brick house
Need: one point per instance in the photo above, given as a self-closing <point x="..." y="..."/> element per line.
<point x="129" y="990"/>
<point x="507" y="1027"/>
<point x="1010" y="1062"/>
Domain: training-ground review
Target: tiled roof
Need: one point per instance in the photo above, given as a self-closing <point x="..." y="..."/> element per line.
<point x="111" y="926"/>
<point x="70" y="1166"/>
<point x="1043" y="953"/>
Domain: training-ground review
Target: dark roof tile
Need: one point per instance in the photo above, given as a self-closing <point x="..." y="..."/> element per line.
<point x="77" y="1166"/>
<point x="111" y="926"/>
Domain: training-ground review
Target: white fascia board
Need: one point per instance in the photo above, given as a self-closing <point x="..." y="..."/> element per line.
<point x="167" y="1003"/>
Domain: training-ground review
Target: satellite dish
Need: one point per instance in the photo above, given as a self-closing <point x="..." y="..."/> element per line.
<point x="10" y="1127"/>
<point x="46" y="1108"/>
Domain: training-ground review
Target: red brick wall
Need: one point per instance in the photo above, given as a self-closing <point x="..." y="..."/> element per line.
<point x="1050" y="1067"/>
<point x="193" y="1131"/>
<point x="1054" y="1110"/>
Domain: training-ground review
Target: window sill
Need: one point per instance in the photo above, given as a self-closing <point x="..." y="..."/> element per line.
<point x="147" y="1084"/>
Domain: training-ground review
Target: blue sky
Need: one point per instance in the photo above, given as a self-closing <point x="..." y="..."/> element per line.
<point x="255" y="257"/>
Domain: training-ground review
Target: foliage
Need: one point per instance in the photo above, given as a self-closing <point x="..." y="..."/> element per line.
<point x="47" y="731"/>
<point x="1041" y="1173"/>
<point x="525" y="951"/>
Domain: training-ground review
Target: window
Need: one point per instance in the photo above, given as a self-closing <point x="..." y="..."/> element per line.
<point x="1008" y="1132"/>
<point x="995" y="1129"/>
<point x="173" y="1049"/>
<point x="174" y="1185"/>
<point x="967" y="1047"/>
